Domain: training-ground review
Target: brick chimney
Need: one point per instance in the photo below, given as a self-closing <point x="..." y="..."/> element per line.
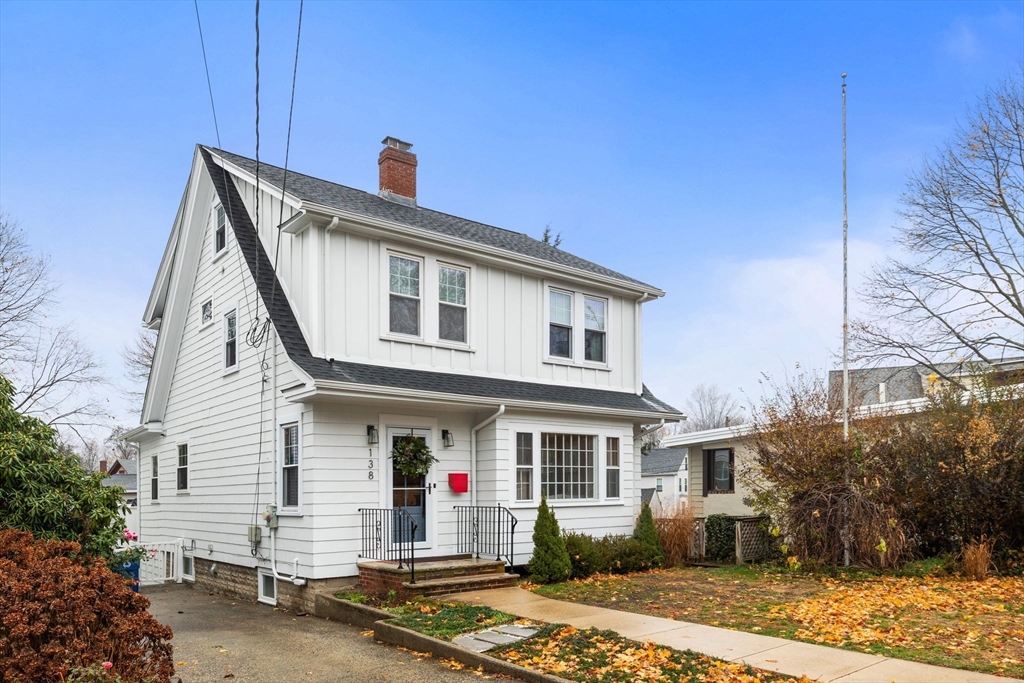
<point x="103" y="465"/>
<point x="397" y="171"/>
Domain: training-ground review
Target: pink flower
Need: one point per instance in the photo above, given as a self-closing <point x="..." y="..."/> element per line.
<point x="108" y="665"/>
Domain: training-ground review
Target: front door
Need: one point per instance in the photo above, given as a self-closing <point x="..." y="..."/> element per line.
<point x="412" y="494"/>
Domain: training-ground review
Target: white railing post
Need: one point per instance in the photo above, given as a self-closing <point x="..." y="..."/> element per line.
<point x="179" y="559"/>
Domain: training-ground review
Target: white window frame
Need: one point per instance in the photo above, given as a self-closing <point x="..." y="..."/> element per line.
<point x="261" y="576"/>
<point x="600" y="434"/>
<point x="578" y="340"/>
<point x="213" y="312"/>
<point x="225" y="368"/>
<point x="438" y="265"/>
<point x="218" y="253"/>
<point x="154" y="477"/>
<point x="549" y="323"/>
<point x="532" y="468"/>
<point x="429" y="298"/>
<point x="659" y="484"/>
<point x="608" y="467"/>
<point x="188" y="576"/>
<point x="420" y="299"/>
<point x="188" y="466"/>
<point x="283" y="423"/>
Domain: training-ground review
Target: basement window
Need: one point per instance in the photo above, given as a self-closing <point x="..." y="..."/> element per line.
<point x="267" y="588"/>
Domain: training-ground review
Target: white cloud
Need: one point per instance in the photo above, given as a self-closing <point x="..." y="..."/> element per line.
<point x="764" y="316"/>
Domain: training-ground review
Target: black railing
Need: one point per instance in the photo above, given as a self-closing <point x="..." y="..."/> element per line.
<point x="487" y="531"/>
<point x="389" y="535"/>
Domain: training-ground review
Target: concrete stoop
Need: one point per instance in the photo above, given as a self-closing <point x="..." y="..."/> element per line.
<point x="435" y="577"/>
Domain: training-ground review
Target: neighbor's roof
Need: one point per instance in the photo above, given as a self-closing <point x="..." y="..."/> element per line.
<point x="707" y="436"/>
<point x="128" y="466"/>
<point x="125" y="481"/>
<point x="646" y="495"/>
<point x="295" y="345"/>
<point x="326" y="193"/>
<point x="662" y="461"/>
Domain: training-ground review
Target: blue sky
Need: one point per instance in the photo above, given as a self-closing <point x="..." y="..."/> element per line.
<point x="694" y="146"/>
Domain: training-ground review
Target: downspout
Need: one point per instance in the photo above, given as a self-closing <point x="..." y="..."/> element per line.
<point x="651" y="430"/>
<point x="638" y="380"/>
<point x="472" y="452"/>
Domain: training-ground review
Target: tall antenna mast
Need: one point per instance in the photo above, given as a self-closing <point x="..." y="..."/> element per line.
<point x="846" y="339"/>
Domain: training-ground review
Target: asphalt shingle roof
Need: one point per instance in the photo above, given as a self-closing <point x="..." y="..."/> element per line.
<point x="346" y="198"/>
<point x="404" y="378"/>
<point x="125" y="481"/>
<point x="662" y="461"/>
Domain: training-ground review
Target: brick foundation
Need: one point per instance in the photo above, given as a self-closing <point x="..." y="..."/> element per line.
<point x="241" y="582"/>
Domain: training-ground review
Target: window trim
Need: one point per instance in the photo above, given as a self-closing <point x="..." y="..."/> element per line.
<point x="213" y="312"/>
<point x="420" y="307"/>
<point x="219" y="253"/>
<point x="283" y="423"/>
<point x="188" y="465"/>
<point x="154" y="478"/>
<point x="438" y="265"/>
<point x="601" y="433"/>
<point x="608" y="467"/>
<point x="578" y="341"/>
<point x="429" y="297"/>
<point x="549" y="323"/>
<point x="260" y="596"/>
<point x="191" y="576"/>
<point x="226" y="369"/>
<point x="531" y="468"/>
<point x="659" y="484"/>
<point x="709" y="473"/>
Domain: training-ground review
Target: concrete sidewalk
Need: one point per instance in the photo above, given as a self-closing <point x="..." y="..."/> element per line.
<point x="789" y="657"/>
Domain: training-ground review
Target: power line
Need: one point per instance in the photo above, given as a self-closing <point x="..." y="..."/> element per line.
<point x="209" y="84"/>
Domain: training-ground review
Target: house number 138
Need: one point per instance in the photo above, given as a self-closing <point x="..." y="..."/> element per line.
<point x="370" y="473"/>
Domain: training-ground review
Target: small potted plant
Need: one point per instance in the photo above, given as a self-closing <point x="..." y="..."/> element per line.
<point x="412" y="456"/>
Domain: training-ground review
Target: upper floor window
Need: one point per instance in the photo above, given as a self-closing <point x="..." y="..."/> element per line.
<point x="290" y="466"/>
<point x="594" y="329"/>
<point x="560" y="324"/>
<point x="220" y="232"/>
<point x="206" y="312"/>
<point x="154" y="478"/>
<point x="231" y="340"/>
<point x="660" y="484"/>
<point x="451" y="296"/>
<point x="404" y="304"/>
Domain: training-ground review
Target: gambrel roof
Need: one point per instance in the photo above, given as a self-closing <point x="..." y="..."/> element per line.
<point x="350" y="373"/>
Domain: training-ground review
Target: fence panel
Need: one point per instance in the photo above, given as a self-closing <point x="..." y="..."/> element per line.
<point x="753" y="542"/>
<point x="162" y="562"/>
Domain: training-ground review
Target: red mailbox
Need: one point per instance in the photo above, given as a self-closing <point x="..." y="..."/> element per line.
<point x="458" y="481"/>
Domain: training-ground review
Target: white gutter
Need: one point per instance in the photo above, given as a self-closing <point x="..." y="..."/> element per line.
<point x="651" y="430"/>
<point x="472" y="452"/>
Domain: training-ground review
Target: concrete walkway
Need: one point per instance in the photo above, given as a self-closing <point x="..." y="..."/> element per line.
<point x="789" y="657"/>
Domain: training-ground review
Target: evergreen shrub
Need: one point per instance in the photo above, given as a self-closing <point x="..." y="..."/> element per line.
<point x="550" y="562"/>
<point x="719" y="538"/>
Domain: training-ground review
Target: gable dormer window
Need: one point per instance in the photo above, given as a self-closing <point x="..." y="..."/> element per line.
<point x="220" y="232"/>
<point x="451" y="297"/>
<point x="404" y="303"/>
<point x="560" y="324"/>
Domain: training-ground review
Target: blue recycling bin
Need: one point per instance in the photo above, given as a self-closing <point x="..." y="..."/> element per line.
<point x="130" y="570"/>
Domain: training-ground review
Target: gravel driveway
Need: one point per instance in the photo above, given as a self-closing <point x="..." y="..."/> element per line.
<point x="222" y="639"/>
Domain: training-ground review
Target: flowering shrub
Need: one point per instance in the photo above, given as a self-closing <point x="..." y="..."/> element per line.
<point x="61" y="610"/>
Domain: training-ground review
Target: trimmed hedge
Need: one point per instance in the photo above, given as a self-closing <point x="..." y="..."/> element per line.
<point x="62" y="610"/>
<point x="720" y="538"/>
<point x="608" y="555"/>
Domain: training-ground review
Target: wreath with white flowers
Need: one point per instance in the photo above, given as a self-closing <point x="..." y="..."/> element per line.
<point x="412" y="456"/>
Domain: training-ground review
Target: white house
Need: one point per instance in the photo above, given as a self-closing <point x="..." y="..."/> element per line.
<point x="306" y="327"/>
<point x="124" y="473"/>
<point x="665" y="471"/>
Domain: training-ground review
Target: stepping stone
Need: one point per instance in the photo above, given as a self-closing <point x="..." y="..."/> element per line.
<point x="517" y="631"/>
<point x="471" y="643"/>
<point x="496" y="638"/>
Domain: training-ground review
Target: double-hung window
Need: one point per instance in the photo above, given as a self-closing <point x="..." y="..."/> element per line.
<point x="451" y="297"/>
<point x="567" y="466"/>
<point x="220" y="231"/>
<point x="183" y="467"/>
<point x="560" y="324"/>
<point x="594" y="329"/>
<point x="524" y="466"/>
<point x="612" y="467"/>
<point x="718" y="471"/>
<point x="231" y="340"/>
<point x="660" y="484"/>
<point x="404" y="303"/>
<point x="290" y="466"/>
<point x="154" y="478"/>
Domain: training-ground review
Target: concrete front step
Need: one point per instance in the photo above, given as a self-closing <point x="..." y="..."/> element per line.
<point x="461" y="584"/>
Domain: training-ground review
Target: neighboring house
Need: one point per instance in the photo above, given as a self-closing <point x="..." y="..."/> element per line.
<point x="125" y="473"/>
<point x="715" y="458"/>
<point x="517" y="363"/>
<point x="896" y="384"/>
<point x="666" y="472"/>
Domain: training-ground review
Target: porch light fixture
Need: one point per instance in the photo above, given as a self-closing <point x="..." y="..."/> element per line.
<point x="447" y="438"/>
<point x="371" y="435"/>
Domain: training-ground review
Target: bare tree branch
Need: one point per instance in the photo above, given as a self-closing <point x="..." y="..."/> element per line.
<point x="708" y="407"/>
<point x="956" y="293"/>
<point x="138" y="359"/>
